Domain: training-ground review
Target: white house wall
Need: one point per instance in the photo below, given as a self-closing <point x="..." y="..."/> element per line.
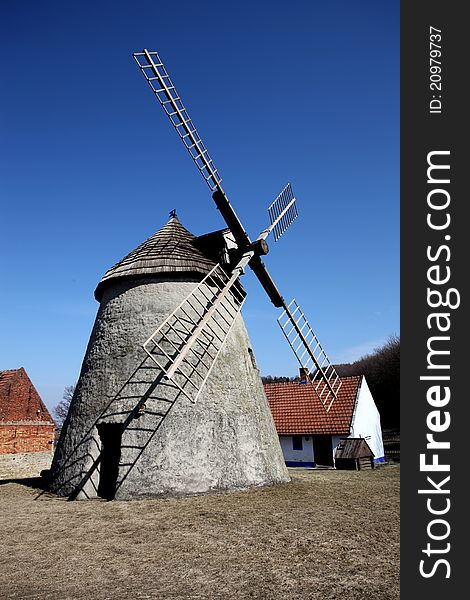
<point x="335" y="439"/>
<point x="366" y="421"/>
<point x="297" y="457"/>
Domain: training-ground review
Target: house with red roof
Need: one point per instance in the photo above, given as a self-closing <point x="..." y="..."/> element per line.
<point x="25" y="422"/>
<point x="309" y="435"/>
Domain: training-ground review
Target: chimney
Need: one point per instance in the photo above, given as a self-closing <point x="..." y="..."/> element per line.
<point x="303" y="375"/>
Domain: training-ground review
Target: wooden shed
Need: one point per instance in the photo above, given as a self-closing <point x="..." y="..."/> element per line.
<point x="354" y="453"/>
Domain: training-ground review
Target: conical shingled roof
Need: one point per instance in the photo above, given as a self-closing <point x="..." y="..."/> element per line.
<point x="169" y="250"/>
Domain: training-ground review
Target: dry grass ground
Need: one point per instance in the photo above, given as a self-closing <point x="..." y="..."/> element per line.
<point x="327" y="535"/>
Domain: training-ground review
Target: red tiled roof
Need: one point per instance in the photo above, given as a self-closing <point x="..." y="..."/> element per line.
<point x="19" y="400"/>
<point x="297" y="410"/>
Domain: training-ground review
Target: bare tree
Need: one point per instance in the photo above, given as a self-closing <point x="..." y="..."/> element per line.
<point x="62" y="408"/>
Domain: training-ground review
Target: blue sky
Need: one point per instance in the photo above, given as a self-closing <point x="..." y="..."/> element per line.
<point x="299" y="91"/>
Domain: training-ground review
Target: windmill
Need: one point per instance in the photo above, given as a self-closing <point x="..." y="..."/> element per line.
<point x="310" y="354"/>
<point x="183" y="410"/>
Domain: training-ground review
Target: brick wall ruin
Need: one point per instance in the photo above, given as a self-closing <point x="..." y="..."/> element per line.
<point x="16" y="438"/>
<point x="25" y="422"/>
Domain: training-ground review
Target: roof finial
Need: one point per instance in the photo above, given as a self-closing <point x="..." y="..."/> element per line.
<point x="173" y="213"/>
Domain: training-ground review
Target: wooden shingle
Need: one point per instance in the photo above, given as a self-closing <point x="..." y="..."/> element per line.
<point x="172" y="249"/>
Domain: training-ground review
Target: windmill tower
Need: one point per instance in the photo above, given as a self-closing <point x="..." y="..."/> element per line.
<point x="182" y="410"/>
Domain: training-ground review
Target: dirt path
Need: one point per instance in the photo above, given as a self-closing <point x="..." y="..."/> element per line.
<point x="327" y="535"/>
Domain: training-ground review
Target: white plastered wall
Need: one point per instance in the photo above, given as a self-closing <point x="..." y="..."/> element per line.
<point x="335" y="440"/>
<point x="291" y="455"/>
<point x="366" y="421"/>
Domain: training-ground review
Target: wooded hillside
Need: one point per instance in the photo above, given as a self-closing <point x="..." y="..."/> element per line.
<point x="382" y="371"/>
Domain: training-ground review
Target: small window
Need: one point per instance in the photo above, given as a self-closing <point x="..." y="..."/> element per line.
<point x="297" y="442"/>
<point x="252" y="357"/>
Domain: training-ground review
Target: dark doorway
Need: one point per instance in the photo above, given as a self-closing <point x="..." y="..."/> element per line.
<point x="110" y="436"/>
<point x="322" y="450"/>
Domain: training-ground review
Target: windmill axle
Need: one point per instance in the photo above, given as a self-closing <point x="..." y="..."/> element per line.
<point x="260" y="247"/>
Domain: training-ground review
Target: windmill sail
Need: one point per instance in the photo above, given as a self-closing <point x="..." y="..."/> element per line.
<point x="283" y="212"/>
<point x="186" y="345"/>
<point x="157" y="77"/>
<point x="310" y="354"/>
